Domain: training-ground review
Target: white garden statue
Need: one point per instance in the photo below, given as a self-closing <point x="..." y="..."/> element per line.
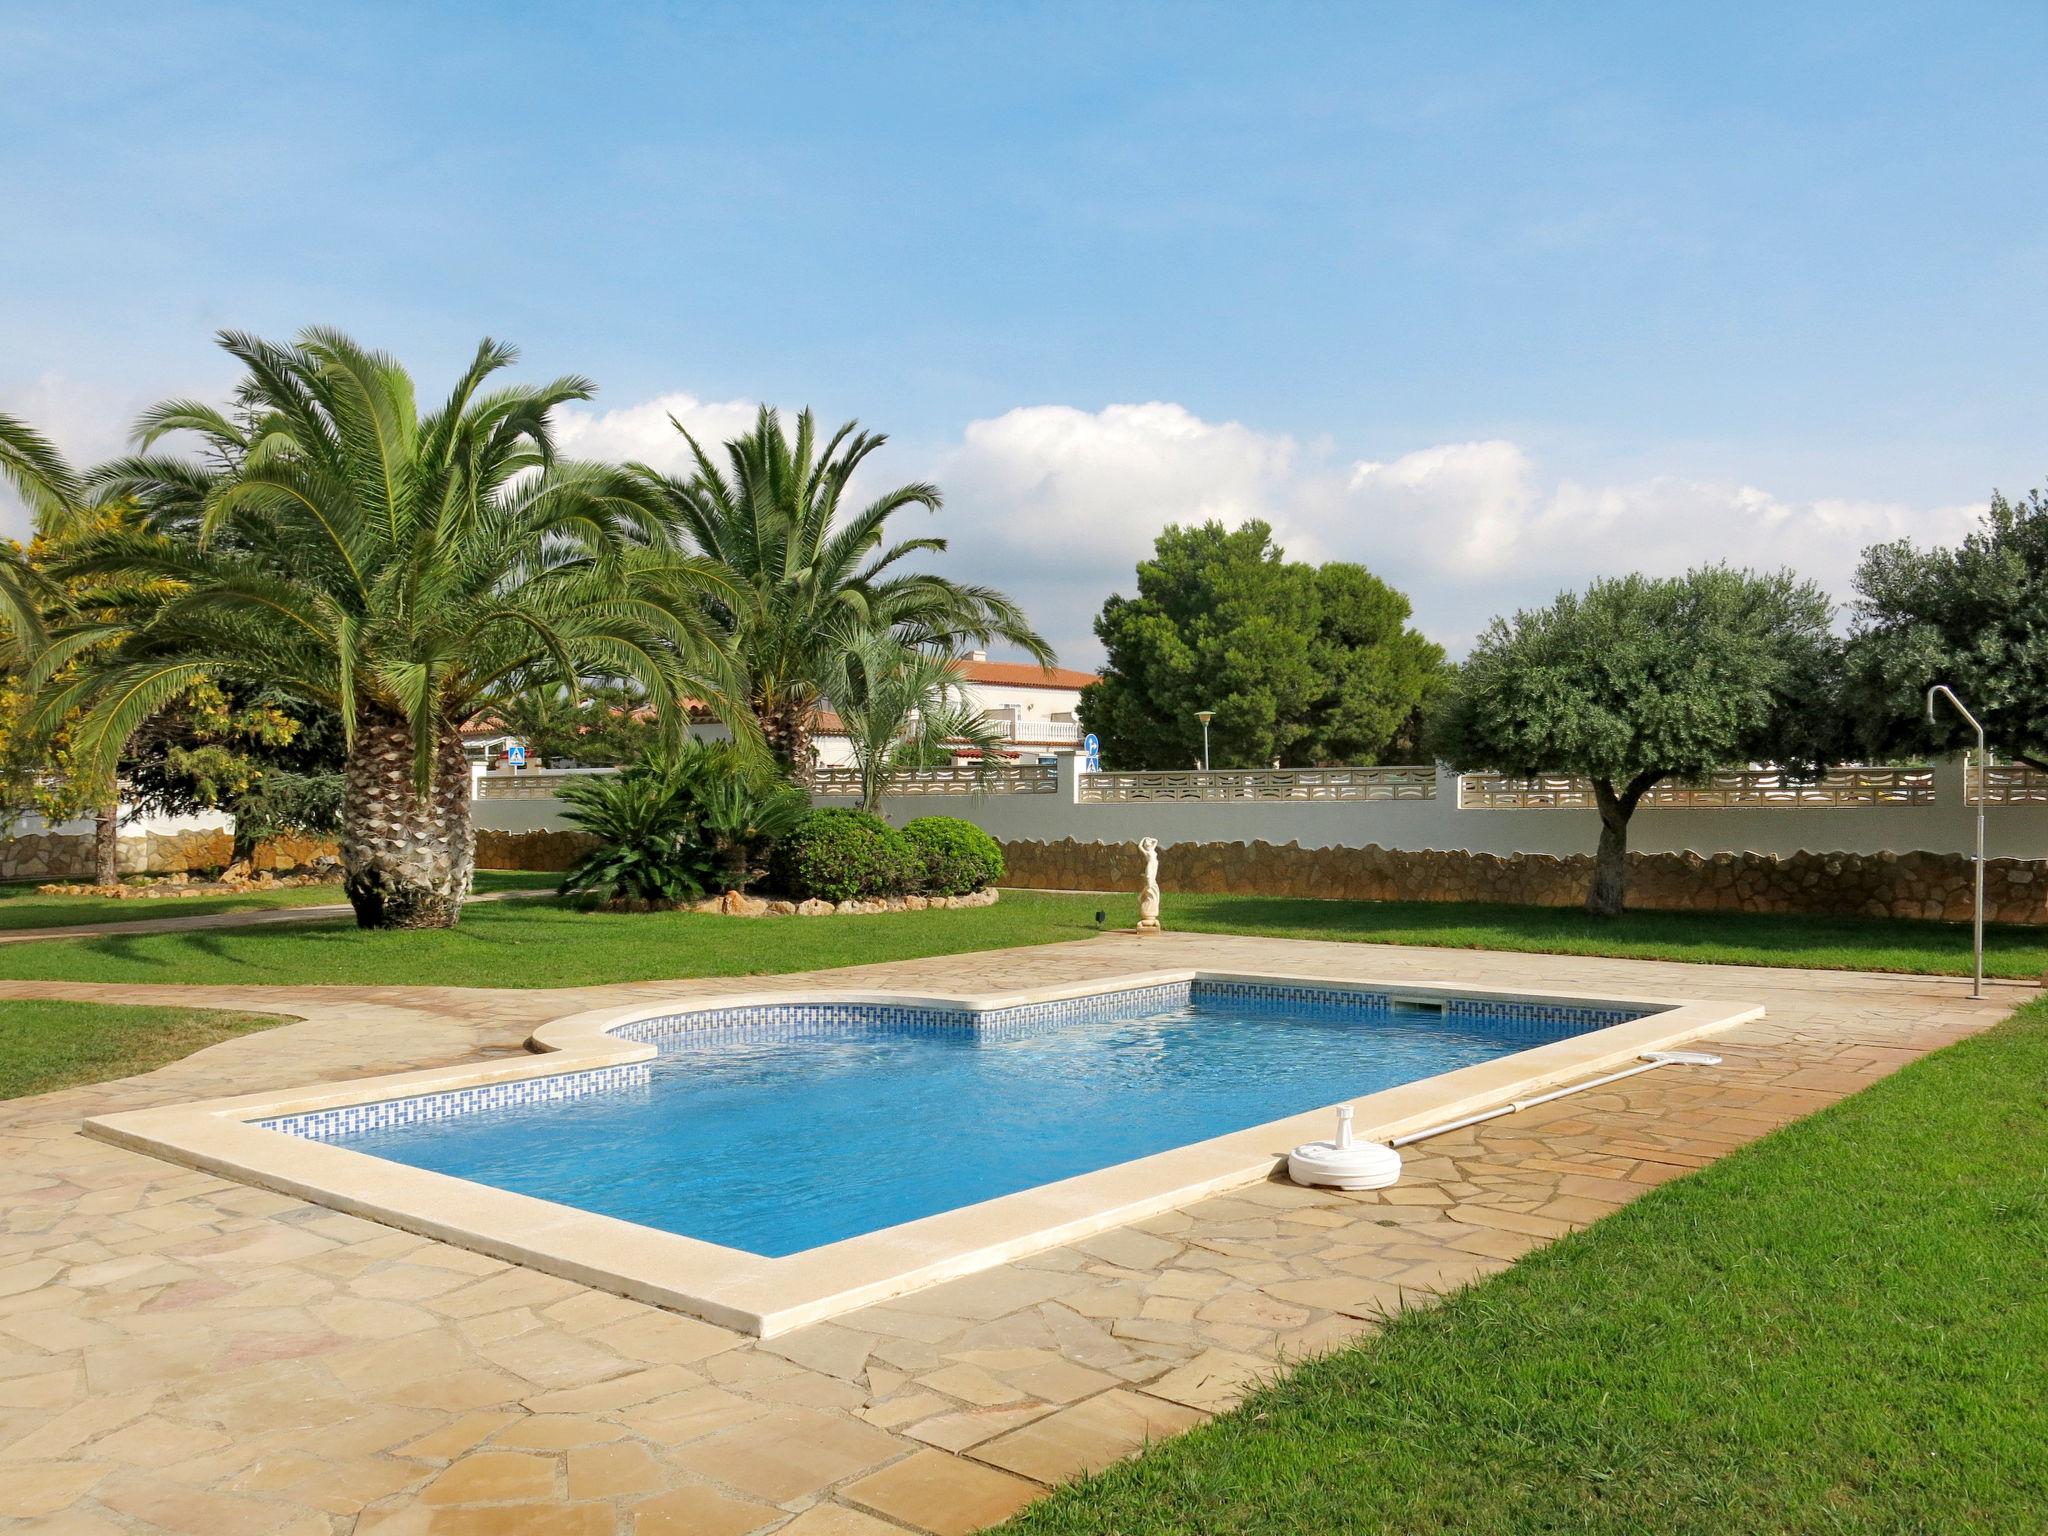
<point x="1148" y="894"/>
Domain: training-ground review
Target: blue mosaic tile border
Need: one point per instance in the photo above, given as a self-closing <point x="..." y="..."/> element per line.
<point x="1341" y="1000"/>
<point x="1129" y="1003"/>
<point x="790" y="1021"/>
<point x="799" y="1020"/>
<point x="1542" y="1013"/>
<point x="382" y="1114"/>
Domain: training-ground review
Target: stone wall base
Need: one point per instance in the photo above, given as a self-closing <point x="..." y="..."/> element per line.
<point x="545" y="850"/>
<point x="68" y="855"/>
<point x="1925" y="885"/>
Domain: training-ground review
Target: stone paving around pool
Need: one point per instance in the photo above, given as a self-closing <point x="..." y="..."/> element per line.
<point x="181" y="1353"/>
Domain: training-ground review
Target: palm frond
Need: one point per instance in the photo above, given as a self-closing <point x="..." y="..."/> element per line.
<point x="31" y="464"/>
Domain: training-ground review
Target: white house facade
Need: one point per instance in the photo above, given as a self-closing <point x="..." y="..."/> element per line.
<point x="1034" y="709"/>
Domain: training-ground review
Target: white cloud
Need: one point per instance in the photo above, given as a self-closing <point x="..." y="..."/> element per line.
<point x="645" y="433"/>
<point x="1059" y="504"/>
<point x="1071" y="482"/>
<point x="1475" y="499"/>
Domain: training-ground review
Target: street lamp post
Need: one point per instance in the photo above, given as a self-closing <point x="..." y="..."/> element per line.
<point x="1205" y="716"/>
<point x="1983" y="787"/>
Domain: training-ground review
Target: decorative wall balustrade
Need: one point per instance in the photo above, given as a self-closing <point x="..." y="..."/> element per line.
<point x="1233" y="785"/>
<point x="1004" y="779"/>
<point x="1846" y="787"/>
<point x="2007" y="784"/>
<point x="529" y="783"/>
<point x="1850" y="787"/>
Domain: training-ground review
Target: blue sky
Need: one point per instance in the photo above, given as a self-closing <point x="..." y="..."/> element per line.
<point x="1493" y="298"/>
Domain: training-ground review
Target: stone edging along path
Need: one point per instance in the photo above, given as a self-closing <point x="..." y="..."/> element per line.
<point x="182" y="1352"/>
<point x="740" y="904"/>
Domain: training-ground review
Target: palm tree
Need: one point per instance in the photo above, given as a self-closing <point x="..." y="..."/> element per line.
<point x="52" y="492"/>
<point x="901" y="705"/>
<point x="32" y="465"/>
<point x="400" y="568"/>
<point x="806" y="573"/>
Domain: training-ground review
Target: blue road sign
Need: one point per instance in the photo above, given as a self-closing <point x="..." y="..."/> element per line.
<point x="1091" y="750"/>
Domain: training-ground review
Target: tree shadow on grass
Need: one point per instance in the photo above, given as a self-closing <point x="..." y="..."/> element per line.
<point x="536" y="944"/>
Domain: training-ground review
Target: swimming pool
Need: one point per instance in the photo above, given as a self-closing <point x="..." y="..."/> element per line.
<point x="309" y="1141"/>
<point x="775" y="1129"/>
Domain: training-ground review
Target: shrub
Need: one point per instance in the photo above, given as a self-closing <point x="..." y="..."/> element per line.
<point x="741" y="815"/>
<point x="647" y="850"/>
<point x="957" y="856"/>
<point x="845" y="855"/>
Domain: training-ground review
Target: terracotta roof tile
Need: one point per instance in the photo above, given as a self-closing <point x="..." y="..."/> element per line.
<point x="1023" y="674"/>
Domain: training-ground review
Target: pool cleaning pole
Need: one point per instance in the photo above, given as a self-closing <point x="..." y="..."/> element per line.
<point x="1983" y="790"/>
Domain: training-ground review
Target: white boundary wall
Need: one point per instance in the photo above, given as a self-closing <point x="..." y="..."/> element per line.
<point x="31" y="825"/>
<point x="1947" y="825"/>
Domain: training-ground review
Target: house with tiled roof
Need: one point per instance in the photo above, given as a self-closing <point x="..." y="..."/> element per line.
<point x="1034" y="708"/>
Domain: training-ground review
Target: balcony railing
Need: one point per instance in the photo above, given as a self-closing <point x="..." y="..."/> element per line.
<point x="1030" y="729"/>
<point x="1234" y="786"/>
<point x="1754" y="787"/>
<point x="1003" y="779"/>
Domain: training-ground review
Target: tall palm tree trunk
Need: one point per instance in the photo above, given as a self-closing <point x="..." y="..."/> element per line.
<point x="786" y="727"/>
<point x="407" y="859"/>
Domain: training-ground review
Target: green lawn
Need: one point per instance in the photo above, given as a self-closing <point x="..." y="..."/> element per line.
<point x="45" y="1046"/>
<point x="1843" y="1327"/>
<point x="1707" y="938"/>
<point x="23" y="906"/>
<point x="545" y="943"/>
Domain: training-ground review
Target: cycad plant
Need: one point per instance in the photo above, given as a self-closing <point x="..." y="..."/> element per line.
<point x="401" y="567"/>
<point x="903" y="707"/>
<point x="647" y="851"/>
<point x="743" y="808"/>
<point x="805" y="570"/>
<point x="680" y="820"/>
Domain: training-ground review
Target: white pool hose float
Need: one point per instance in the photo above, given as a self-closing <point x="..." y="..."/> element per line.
<point x="1348" y="1164"/>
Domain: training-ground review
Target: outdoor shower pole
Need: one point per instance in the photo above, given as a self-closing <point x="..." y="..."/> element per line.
<point x="1983" y="789"/>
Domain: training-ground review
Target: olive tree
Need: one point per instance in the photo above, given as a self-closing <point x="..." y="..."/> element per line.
<point x="1641" y="679"/>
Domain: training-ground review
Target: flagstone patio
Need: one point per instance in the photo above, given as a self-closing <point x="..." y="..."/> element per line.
<point x="181" y="1353"/>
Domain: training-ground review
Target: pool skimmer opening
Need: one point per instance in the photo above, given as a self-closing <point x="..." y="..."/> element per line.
<point x="1346" y="1163"/>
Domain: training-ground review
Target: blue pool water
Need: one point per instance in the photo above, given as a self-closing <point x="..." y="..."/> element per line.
<point x="897" y="1113"/>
